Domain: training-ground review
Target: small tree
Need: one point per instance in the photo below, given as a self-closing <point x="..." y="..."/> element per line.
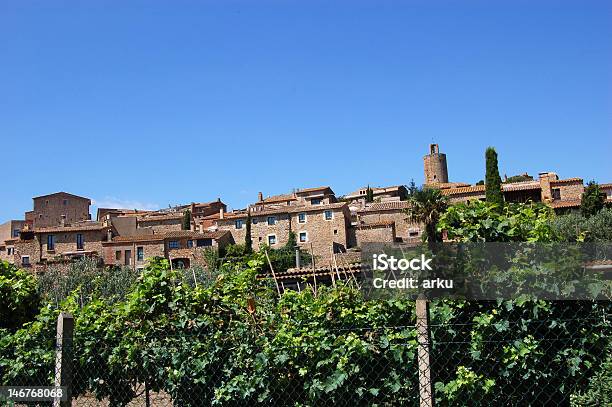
<point x="187" y="220"/>
<point x="369" y="195"/>
<point x="592" y="200"/>
<point x="492" y="179"/>
<point x="426" y="207"/>
<point x="248" y="240"/>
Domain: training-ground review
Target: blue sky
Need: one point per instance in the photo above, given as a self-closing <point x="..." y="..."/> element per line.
<point x="145" y="104"/>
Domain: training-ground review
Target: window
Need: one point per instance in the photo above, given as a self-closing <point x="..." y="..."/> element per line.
<point x="9" y="251"/>
<point x="315" y="201"/>
<point x="413" y="234"/>
<point x="556" y="193"/>
<point x="335" y="231"/>
<point x="204" y="242"/>
<point x="79" y="241"/>
<point x="272" y="240"/>
<point x="128" y="257"/>
<point x="238" y="224"/>
<point x="140" y="253"/>
<point x="190" y="243"/>
<point x="65" y="202"/>
<point x="173" y="244"/>
<point x="302" y="217"/>
<point x="271" y="220"/>
<point x="16" y="232"/>
<point x="118" y="255"/>
<point x="50" y="242"/>
<point x="25" y="260"/>
<point x="329" y="215"/>
<point x="254" y="221"/>
<point x="303" y="237"/>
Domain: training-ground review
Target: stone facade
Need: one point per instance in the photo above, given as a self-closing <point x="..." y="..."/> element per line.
<point x="161" y="222"/>
<point x="436" y="170"/>
<point x="389" y="212"/>
<point x="324" y="226"/>
<point x="381" y="232"/>
<point x="136" y="251"/>
<point x="59" y="208"/>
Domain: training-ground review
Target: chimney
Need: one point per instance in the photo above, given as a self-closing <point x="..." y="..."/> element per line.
<point x="260" y="197"/>
<point x="297" y="259"/>
<point x="219" y="199"/>
<point x="221" y="213"/>
<point x="63" y="221"/>
<point x="109" y="235"/>
<point x="201" y="228"/>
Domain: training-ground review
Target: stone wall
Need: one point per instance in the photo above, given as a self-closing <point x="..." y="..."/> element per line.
<point x="65" y="242"/>
<point x="383" y="232"/>
<point x="569" y="191"/>
<point x="403" y="228"/>
<point x="151" y="249"/>
<point x="324" y="235"/>
<point x="29" y="248"/>
<point x="48" y="210"/>
<point x="161" y="225"/>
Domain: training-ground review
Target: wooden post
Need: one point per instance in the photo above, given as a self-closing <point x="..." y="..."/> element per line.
<point x="426" y="395"/>
<point x="63" y="357"/>
<point x="273" y="274"/>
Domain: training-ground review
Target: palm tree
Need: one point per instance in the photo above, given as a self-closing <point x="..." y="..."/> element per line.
<point x="426" y="207"/>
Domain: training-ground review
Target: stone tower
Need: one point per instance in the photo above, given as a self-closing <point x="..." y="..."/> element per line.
<point x="435" y="166"/>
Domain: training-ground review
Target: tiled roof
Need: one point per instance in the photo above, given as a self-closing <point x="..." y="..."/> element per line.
<point x="464" y="190"/>
<point x="177" y="234"/>
<point x="278" y="198"/>
<point x="375" y="190"/>
<point x="605" y="186"/>
<point x="566" y="181"/>
<point x="521" y="186"/>
<point x="569" y="203"/>
<point x="307" y="272"/>
<point x="285" y="209"/>
<point x="313" y="189"/>
<point x="63" y="193"/>
<point x="386" y="206"/>
<point x="155" y="216"/>
<point x="370" y="225"/>
<point x="75" y="227"/>
<point x="446" y="185"/>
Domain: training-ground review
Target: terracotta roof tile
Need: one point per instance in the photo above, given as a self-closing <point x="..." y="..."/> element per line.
<point x="313" y="189"/>
<point x="446" y="185"/>
<point x="75" y="227"/>
<point x="521" y="186"/>
<point x="386" y="206"/>
<point x="566" y="181"/>
<point x="569" y="203"/>
<point x="463" y="190"/>
<point x="285" y="209"/>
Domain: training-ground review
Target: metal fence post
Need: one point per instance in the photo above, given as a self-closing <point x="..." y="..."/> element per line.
<point x="426" y="397"/>
<point x="63" y="357"/>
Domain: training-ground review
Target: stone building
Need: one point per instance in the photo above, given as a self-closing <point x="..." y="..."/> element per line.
<point x="384" y="213"/>
<point x="57" y="209"/>
<point x="43" y="246"/>
<point x="436" y="170"/>
<point x="319" y="222"/>
<point x="384" y="194"/>
<point x="183" y="248"/>
<point x="161" y="221"/>
<point x="8" y="231"/>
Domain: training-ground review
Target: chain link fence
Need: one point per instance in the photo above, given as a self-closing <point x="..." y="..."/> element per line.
<point x="454" y="354"/>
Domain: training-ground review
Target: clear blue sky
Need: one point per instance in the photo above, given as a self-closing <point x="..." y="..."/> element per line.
<point x="154" y="103"/>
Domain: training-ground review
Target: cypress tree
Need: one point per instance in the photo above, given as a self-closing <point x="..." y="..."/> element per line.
<point x="187" y="220"/>
<point x="593" y="200"/>
<point x="248" y="240"/>
<point x="369" y="195"/>
<point x="492" y="179"/>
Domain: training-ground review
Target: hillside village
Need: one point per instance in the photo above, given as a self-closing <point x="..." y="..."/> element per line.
<point x="59" y="228"/>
